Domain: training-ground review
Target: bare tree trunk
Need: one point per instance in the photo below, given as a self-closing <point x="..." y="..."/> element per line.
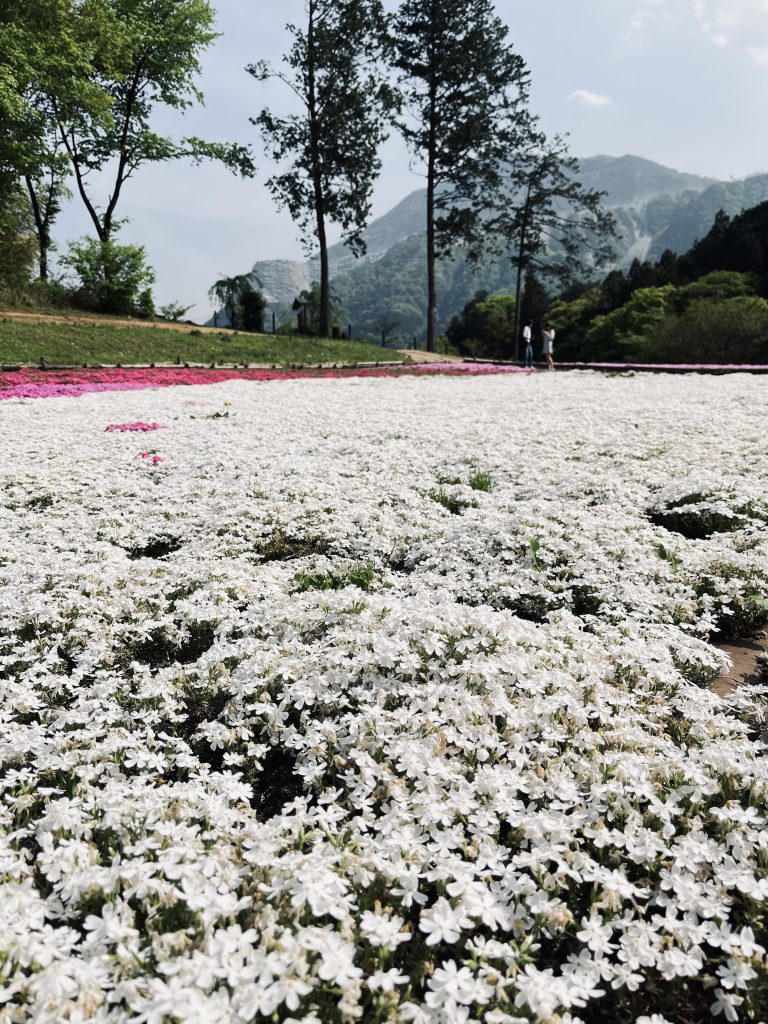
<point x="431" y="282"/>
<point x="325" y="282"/>
<point x="43" y="235"/>
<point x="518" y="311"/>
<point x="519" y="274"/>
<point x="324" y="326"/>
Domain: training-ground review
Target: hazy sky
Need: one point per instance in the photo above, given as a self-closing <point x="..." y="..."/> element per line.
<point x="682" y="82"/>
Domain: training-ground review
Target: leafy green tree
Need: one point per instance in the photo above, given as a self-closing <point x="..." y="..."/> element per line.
<point x="572" y="317"/>
<point x="464" y="99"/>
<point x="618" y="335"/>
<point x="17" y="244"/>
<point x="174" y="311"/>
<point x="146" y="54"/>
<point x="253" y="305"/>
<point x="47" y="189"/>
<point x="329" y="149"/>
<point x="112" y="278"/>
<point x="718" y="286"/>
<point x="733" y="330"/>
<point x="484" y="327"/>
<point x="225" y="293"/>
<point x="243" y="305"/>
<point x="737" y="243"/>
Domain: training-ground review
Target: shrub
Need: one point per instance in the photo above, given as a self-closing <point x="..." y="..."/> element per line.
<point x="113" y="278"/>
<point x="731" y="331"/>
<point x="618" y="335"/>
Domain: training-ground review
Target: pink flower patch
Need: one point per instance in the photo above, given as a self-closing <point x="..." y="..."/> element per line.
<point x="33" y="383"/>
<point x="152" y="457"/>
<point x="137" y="428"/>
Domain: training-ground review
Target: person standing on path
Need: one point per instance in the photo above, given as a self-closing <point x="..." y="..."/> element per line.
<point x="528" y="345"/>
<point x="548" y="346"/>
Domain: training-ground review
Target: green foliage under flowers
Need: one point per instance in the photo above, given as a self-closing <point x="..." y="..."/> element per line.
<point x="695" y="520"/>
<point x="747" y="611"/>
<point x="481" y="481"/>
<point x="362" y="575"/>
<point x="280" y="547"/>
<point x="669" y="555"/>
<point x="452" y="502"/>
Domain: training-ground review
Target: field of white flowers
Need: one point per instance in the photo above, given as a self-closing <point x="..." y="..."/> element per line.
<point x="383" y="700"/>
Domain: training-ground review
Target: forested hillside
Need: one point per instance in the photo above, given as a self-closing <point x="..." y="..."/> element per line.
<point x="709" y="305"/>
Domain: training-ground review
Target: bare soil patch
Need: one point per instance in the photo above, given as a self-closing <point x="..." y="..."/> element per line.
<point x="747" y="668"/>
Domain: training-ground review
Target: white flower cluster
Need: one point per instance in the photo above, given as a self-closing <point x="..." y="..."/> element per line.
<point x="383" y="700"/>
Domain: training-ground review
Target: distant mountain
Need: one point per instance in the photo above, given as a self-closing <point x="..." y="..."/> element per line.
<point x="629" y="180"/>
<point x="656" y="208"/>
<point x="402" y="221"/>
<point x="691" y="220"/>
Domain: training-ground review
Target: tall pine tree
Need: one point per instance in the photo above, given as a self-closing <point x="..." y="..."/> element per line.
<point x="329" y="148"/>
<point x="464" y="100"/>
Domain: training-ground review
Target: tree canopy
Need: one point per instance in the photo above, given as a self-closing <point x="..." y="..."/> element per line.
<point x="80" y="81"/>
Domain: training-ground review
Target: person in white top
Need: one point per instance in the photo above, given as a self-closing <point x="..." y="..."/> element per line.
<point x="548" y="344"/>
<point x="528" y="343"/>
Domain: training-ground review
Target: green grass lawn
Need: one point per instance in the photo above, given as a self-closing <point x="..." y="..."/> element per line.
<point x="75" y="344"/>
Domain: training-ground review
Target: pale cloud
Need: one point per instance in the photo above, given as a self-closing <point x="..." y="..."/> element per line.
<point x="736" y="23"/>
<point x="590" y="99"/>
<point x="648" y="13"/>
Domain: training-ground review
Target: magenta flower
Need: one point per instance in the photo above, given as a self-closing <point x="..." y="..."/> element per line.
<point x="134" y="427"/>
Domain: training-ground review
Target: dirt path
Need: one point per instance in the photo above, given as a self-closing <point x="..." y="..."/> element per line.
<point x="419" y="355"/>
<point x="746" y="669"/>
<point x="105" y="321"/>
